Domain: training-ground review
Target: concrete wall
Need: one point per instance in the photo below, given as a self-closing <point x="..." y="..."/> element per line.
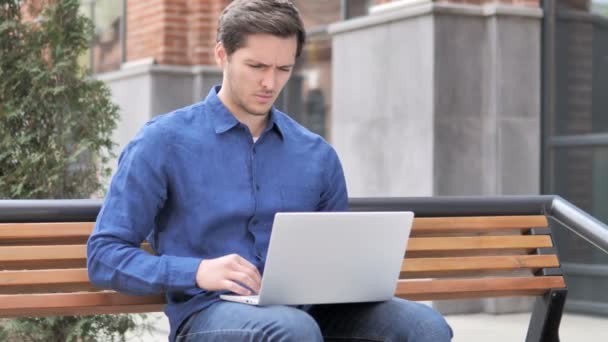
<point x="487" y="97"/>
<point x="382" y="117"/>
<point x="518" y="103"/>
<point x="440" y="99"/>
<point x="462" y="112"/>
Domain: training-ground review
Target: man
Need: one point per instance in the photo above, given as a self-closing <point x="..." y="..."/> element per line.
<point x="202" y="185"/>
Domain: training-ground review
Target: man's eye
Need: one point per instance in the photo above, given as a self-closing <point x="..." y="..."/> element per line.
<point x="285" y="69"/>
<point x="256" y="66"/>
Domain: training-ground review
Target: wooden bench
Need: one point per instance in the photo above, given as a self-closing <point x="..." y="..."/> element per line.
<point x="43" y="267"/>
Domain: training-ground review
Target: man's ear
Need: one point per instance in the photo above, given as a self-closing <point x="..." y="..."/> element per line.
<point x="220" y="55"/>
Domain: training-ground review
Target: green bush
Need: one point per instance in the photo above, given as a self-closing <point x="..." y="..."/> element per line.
<point x="67" y="328"/>
<point x="56" y="124"/>
<point x="56" y="121"/>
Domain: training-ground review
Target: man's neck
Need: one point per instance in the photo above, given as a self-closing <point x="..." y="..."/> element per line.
<point x="255" y="123"/>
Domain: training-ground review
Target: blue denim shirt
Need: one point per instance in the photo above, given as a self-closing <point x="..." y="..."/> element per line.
<point x="195" y="186"/>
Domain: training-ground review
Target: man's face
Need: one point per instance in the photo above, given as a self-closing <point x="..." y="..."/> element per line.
<point x="255" y="73"/>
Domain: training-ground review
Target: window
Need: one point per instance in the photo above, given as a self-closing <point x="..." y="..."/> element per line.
<point x="575" y="137"/>
<point x="107" y="48"/>
<point x="307" y="96"/>
<point x="600" y="7"/>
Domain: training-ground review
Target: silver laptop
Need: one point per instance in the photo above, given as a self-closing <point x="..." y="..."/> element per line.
<point x="332" y="257"/>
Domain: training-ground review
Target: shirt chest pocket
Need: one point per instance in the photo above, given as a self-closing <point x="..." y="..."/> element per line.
<point x="299" y="198"/>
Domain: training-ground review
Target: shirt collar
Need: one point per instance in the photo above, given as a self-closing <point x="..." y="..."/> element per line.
<point x="224" y="120"/>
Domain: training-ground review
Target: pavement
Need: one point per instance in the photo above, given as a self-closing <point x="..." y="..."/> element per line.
<point x="513" y="327"/>
<point x="467" y="328"/>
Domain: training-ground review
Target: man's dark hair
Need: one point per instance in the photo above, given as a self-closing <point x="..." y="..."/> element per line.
<point x="245" y="17"/>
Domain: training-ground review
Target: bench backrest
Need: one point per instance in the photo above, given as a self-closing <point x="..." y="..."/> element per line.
<point x="475" y="257"/>
<point x="43" y="265"/>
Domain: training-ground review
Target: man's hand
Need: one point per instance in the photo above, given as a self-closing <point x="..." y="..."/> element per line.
<point x="229" y="272"/>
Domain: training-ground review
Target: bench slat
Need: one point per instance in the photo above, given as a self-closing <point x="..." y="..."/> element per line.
<point x="79" y="231"/>
<point x="68" y="256"/>
<point x="35" y="257"/>
<point x="33" y="281"/>
<point x="51" y="304"/>
<point x="476" y="288"/>
<point x="477" y="223"/>
<point x="52" y="256"/>
<point x="60" y="232"/>
<point x="426" y="267"/>
<point x="468" y="243"/>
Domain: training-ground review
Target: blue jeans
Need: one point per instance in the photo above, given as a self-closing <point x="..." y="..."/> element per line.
<point x="394" y="320"/>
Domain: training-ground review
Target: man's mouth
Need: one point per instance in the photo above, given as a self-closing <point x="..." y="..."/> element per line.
<point x="263" y="98"/>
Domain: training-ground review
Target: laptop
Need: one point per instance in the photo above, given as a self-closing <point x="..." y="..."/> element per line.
<point x="332" y="257"/>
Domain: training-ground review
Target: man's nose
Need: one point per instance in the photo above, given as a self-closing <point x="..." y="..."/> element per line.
<point x="269" y="79"/>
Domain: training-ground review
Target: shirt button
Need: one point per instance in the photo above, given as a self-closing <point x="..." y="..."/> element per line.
<point x="254" y="150"/>
<point x="257" y="187"/>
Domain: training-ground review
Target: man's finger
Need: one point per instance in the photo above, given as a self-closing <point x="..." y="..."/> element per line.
<point x="245" y="279"/>
<point x="240" y="264"/>
<point x="236" y="288"/>
<point x="252" y="273"/>
<point x="245" y="263"/>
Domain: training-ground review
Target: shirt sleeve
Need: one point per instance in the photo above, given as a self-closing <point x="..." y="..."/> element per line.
<point x="137" y="194"/>
<point x="335" y="196"/>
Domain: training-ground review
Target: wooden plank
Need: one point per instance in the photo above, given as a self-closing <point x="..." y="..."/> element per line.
<point x="474" y="266"/>
<point x="71" y="256"/>
<point x="42" y="281"/>
<point x="33" y="253"/>
<point x="505" y="262"/>
<point x="83" y="303"/>
<point x="57" y="232"/>
<point x="477" y="223"/>
<point x="435" y="289"/>
<point x="35" y="257"/>
<point x="39" y="257"/>
<point x="80" y="231"/>
<point x="468" y="253"/>
<point x="82" y="311"/>
<point x="468" y="243"/>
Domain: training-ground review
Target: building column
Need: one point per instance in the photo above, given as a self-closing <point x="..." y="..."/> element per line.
<point x="440" y="98"/>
